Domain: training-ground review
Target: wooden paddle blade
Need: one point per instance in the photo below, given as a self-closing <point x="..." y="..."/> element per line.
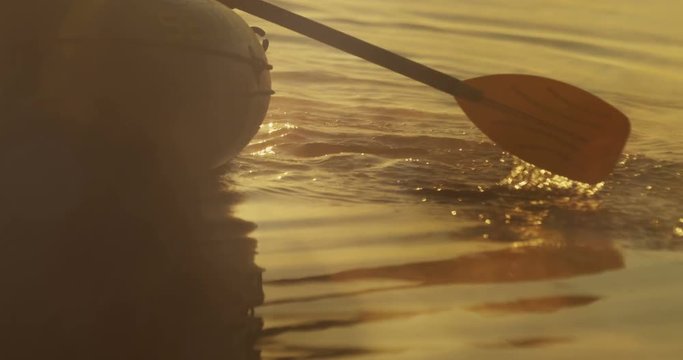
<point x="551" y="124"/>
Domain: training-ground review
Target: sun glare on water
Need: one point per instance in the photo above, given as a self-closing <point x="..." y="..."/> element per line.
<point x="525" y="176"/>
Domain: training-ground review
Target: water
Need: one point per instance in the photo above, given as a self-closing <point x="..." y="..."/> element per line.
<point x="386" y="225"/>
<point x="390" y="227"/>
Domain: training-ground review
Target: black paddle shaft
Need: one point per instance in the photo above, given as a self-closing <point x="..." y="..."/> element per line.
<point x="357" y="47"/>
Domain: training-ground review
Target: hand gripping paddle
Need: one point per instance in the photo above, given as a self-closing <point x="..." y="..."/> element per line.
<point x="551" y="124"/>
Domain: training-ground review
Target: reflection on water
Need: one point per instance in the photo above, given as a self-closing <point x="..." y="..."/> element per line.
<point x="542" y="305"/>
<point x="366" y="317"/>
<point x="538" y="250"/>
<point x="131" y="264"/>
<point x="522" y="262"/>
<point x="391" y="229"/>
<point x="508" y="236"/>
<point x="530" y="342"/>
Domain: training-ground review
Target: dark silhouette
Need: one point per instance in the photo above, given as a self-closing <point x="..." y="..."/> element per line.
<point x="114" y="244"/>
<point x="109" y="258"/>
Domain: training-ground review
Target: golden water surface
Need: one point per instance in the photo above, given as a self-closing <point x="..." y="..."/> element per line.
<point x="368" y="218"/>
<point x="389" y="228"/>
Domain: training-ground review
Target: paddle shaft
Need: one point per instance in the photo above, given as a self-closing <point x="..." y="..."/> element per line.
<point x="357" y="47"/>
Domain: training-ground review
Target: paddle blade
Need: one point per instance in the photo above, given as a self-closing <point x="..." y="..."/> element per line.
<point x="551" y="124"/>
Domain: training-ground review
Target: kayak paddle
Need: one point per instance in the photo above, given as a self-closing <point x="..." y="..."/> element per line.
<point x="548" y="123"/>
